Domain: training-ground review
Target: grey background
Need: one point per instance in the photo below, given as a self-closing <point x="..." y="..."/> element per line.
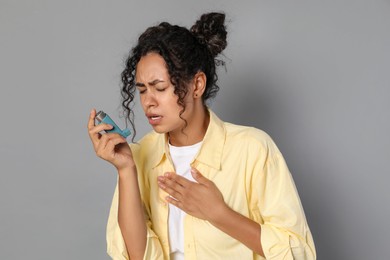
<point x="313" y="74"/>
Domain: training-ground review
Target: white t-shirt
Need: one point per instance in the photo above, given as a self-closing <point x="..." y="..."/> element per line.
<point x="182" y="157"/>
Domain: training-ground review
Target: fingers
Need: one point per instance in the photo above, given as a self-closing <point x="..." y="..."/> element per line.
<point x="107" y="143"/>
<point x="100" y="127"/>
<point x="170" y="185"/>
<point x="177" y="178"/>
<point x="91" y="121"/>
<point x="112" y="142"/>
<point x="91" y="124"/>
<point x="199" y="177"/>
<point x="93" y="130"/>
<point x="176" y="185"/>
<point x="174" y="202"/>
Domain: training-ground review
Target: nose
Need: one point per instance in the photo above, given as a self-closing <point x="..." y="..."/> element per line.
<point x="148" y="100"/>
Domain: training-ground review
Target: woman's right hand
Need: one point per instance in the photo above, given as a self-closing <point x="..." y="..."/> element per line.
<point x="111" y="147"/>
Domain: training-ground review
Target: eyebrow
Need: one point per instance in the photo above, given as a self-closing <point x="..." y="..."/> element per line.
<point x="152" y="83"/>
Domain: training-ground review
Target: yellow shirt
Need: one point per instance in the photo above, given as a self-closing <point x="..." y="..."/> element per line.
<point x="249" y="170"/>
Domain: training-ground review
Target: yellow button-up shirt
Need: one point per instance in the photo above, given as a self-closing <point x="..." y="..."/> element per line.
<point x="249" y="170"/>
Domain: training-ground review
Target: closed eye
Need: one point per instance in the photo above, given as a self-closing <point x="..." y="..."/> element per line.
<point x="141" y="90"/>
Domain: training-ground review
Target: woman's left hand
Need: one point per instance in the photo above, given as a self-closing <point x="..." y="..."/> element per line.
<point x="201" y="199"/>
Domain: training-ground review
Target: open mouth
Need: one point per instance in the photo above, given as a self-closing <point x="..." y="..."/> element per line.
<point x="154" y="117"/>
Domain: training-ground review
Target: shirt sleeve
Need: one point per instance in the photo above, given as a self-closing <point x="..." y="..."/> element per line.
<point x="116" y="247"/>
<point x="284" y="230"/>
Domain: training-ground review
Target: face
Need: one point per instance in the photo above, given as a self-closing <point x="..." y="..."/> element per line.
<point x="157" y="94"/>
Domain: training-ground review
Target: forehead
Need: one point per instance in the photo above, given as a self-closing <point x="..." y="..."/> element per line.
<point x="150" y="67"/>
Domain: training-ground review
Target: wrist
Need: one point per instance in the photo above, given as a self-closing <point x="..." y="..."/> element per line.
<point x="125" y="172"/>
<point x="220" y="212"/>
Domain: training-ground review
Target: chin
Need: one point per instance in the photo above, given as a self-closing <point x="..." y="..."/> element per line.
<point x="160" y="130"/>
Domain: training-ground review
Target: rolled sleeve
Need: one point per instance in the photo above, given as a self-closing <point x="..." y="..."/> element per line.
<point x="153" y="248"/>
<point x="284" y="230"/>
<point x="280" y="244"/>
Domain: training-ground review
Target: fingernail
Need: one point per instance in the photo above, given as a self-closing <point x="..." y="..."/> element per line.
<point x="194" y="173"/>
<point x="161" y="185"/>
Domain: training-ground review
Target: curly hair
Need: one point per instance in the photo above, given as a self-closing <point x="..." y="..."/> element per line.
<point x="185" y="52"/>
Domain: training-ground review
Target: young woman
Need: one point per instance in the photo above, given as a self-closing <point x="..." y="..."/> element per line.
<point x="196" y="187"/>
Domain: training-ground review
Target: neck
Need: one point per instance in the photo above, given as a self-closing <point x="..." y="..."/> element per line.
<point x="197" y="123"/>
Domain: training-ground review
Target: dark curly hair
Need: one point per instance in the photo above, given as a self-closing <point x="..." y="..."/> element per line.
<point x="186" y="52"/>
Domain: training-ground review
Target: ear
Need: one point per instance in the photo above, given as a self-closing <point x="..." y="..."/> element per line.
<point x="200" y="80"/>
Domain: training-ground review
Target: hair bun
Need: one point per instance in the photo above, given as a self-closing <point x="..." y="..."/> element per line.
<point x="210" y="30"/>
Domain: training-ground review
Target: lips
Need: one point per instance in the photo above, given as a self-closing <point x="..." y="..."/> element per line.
<point x="154" y="118"/>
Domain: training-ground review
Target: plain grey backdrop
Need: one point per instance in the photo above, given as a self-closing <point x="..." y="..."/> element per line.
<point x="313" y="74"/>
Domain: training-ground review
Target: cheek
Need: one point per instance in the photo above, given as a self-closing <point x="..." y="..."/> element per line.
<point x="170" y="100"/>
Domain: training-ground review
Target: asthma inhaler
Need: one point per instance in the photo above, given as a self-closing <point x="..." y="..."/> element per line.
<point x="102" y="117"/>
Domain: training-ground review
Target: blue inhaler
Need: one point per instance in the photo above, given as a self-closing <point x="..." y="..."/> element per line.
<point x="102" y="117"/>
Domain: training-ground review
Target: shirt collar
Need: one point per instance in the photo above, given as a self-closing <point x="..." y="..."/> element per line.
<point x="210" y="152"/>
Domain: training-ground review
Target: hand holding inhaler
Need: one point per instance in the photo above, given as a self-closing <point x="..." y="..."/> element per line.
<point x="102" y="117"/>
<point x="112" y="146"/>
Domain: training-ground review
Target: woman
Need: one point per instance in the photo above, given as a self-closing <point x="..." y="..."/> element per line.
<point x="195" y="187"/>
